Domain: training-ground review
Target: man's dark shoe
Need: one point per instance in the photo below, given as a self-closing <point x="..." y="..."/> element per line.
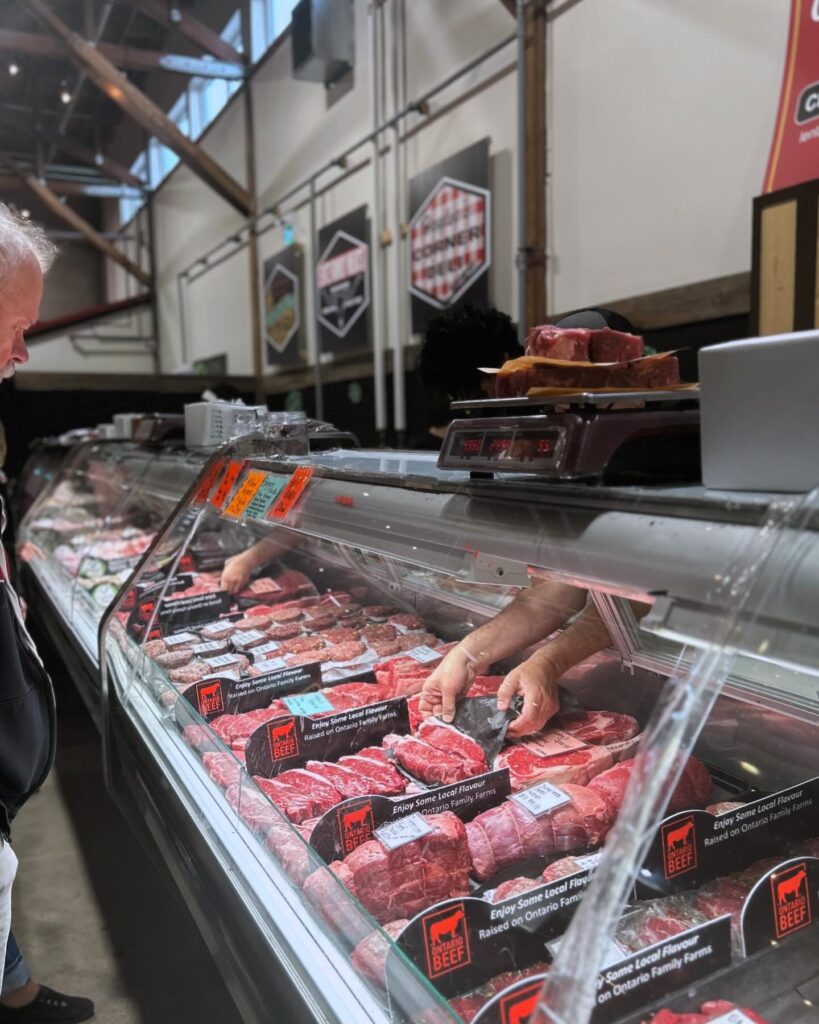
<point x="49" y="1007"/>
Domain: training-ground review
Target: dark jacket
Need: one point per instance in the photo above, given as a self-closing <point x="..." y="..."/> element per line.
<point x="28" y="718"/>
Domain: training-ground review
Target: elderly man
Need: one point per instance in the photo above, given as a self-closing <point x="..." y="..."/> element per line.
<point x="27" y="710"/>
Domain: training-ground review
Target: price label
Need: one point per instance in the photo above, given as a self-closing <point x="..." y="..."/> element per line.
<point x="307" y="704"/>
<point x="208" y="480"/>
<point x="541" y="799"/>
<point x="553" y="741"/>
<point x="244" y="638"/>
<point x="230" y="673"/>
<point x="180" y="638"/>
<point x="222" y="661"/>
<point x="734" y="1017"/>
<point x="293" y="490"/>
<point x="263" y="651"/>
<point x="405" y="830"/>
<point x="271" y="487"/>
<point x="423" y="654"/>
<point x="217" y="629"/>
<point x="209" y="648"/>
<point x="247" y="491"/>
<point x="271" y="665"/>
<point x="226" y="484"/>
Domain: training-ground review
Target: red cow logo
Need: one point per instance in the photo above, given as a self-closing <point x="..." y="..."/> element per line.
<point x="446" y="940"/>
<point x="355" y="826"/>
<point x="284" y="740"/>
<point x="679" y="846"/>
<point x="210" y="699"/>
<point x="146" y="610"/>
<point x="791" y="900"/>
<point x="519" y="1006"/>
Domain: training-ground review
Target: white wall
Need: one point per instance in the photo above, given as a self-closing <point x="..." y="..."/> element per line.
<point x="56" y="354"/>
<point x="661" y="115"/>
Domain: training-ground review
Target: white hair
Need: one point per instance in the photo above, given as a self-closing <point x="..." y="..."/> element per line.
<point x="20" y="239"/>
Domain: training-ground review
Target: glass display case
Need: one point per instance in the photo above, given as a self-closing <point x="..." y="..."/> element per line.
<point x="86" y="531"/>
<point x="349" y="859"/>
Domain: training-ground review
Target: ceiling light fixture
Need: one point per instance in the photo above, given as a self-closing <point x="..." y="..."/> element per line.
<point x="14" y="69"/>
<point x="65" y="96"/>
<point x="25" y="214"/>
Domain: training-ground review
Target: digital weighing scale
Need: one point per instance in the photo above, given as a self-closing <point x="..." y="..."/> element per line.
<point x="584" y="439"/>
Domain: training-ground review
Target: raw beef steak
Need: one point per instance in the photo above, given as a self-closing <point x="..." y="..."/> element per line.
<point x="527" y="766"/>
<point x="370" y="955"/>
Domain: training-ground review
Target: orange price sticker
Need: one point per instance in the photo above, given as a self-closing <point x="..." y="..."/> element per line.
<point x="293" y="490"/>
<point x="208" y="480"/>
<point x="246" y="493"/>
<point x="226" y="485"/>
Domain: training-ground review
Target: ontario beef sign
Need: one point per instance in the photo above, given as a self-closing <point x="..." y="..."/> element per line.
<point x="450" y="234"/>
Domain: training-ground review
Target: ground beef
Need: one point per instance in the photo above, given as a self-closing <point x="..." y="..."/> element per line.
<point x="174" y="659"/>
<point x="345" y="652"/>
<point x="307" y="658"/>
<point x="350" y="608"/>
<point x="378" y="612"/>
<point x="283" y="630"/>
<point x="191" y="673"/>
<point x="407" y="621"/>
<point x="382" y="632"/>
<point x="410" y="640"/>
<point x="385" y="648"/>
<point x="253" y="622"/>
<point x="288" y="614"/>
<point x="341" y="635"/>
<point x="154" y="648"/>
<point x="319" y="623"/>
<point x="301" y="644"/>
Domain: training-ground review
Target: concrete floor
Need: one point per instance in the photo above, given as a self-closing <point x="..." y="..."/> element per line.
<point x="91" y="913"/>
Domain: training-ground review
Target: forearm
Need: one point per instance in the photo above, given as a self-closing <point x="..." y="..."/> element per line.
<point x="263" y="551"/>
<point x="584" y="637"/>
<point x="531" y="616"/>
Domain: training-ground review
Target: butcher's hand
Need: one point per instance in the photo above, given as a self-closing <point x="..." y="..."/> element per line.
<point x="236" y="573"/>
<point x="29" y="552"/>
<point x="536" y="681"/>
<point x="450" y="680"/>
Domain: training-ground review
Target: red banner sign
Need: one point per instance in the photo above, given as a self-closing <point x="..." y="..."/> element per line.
<point x="795" y="150"/>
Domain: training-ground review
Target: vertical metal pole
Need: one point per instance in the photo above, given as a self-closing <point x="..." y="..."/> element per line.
<point x="183" y="320"/>
<point x="252" y="241"/>
<point x="313" y="260"/>
<point x="522" y="253"/>
<point x="375" y="235"/>
<point x="399" y="186"/>
<point x="154" y="303"/>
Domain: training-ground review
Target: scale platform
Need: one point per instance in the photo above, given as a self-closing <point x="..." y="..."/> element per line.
<point x="650" y="435"/>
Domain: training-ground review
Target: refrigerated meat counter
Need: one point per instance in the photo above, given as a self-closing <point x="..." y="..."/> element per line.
<point x="348" y="861"/>
<point x="85" y="532"/>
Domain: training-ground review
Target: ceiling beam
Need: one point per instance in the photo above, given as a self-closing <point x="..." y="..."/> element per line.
<point x="142" y="109"/>
<point x="126" y="58"/>
<point x="84" y="154"/>
<point x="64" y="212"/>
<point x="71" y="187"/>
<point x="173" y="17"/>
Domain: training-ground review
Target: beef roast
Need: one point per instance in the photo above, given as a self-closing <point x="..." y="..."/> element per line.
<point x="398" y="883"/>
<point x="508" y="834"/>
<point x="570" y="343"/>
<point x="370" y="955"/>
<point x="708" y="1012"/>
<point x="693" y="789"/>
